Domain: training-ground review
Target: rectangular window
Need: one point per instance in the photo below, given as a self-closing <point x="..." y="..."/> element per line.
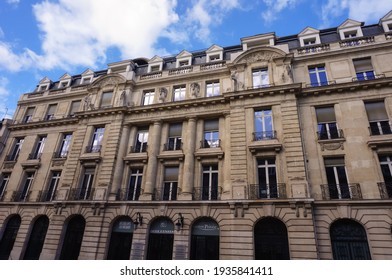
<point x="85" y="190"/>
<point x="13" y="156"/>
<point x="65" y="145"/>
<point x="267" y="181"/>
<point x="86" y="80"/>
<point x="135" y="184"/>
<point x="106" y="100"/>
<point x="39" y="147"/>
<point x="148" y="97"/>
<point x="364" y="69"/>
<point x="263" y="125"/>
<point x="318" y="76"/>
<point x="49" y="195"/>
<point x="4" y="179"/>
<point x="170" y="183"/>
<point x="378" y="118"/>
<point x="211" y="134"/>
<point x="179" y="93"/>
<point x="309" y="41"/>
<point x="50" y="112"/>
<point x="96" y="141"/>
<point x="63" y="84"/>
<point x="28" y="115"/>
<point x="141" y="141"/>
<point x="24" y="193"/>
<point x="184" y="63"/>
<point x="350" y="34"/>
<point x="75" y="106"/>
<point x="326" y="124"/>
<point x="337" y="178"/>
<point x="212" y="89"/>
<point x="386" y="169"/>
<point x="210" y="183"/>
<point x="260" y="78"/>
<point x="155" y="68"/>
<point x="174" y="139"/>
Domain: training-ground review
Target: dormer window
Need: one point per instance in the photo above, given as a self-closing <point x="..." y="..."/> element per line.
<point x="310" y="41"/>
<point x="389" y="27"/>
<point x="214" y="57"/>
<point x="350" y="34"/>
<point x="350" y="29"/>
<point x="183" y="59"/>
<point x="86" y="80"/>
<point x="309" y="36"/>
<point x="155" y="68"/>
<point x="63" y="84"/>
<point x="43" y="88"/>
<point x="183" y="63"/>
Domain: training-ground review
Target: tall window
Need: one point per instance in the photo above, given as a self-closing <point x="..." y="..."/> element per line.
<point x="96" y="141"/>
<point x="267" y="187"/>
<point x="148" y="97"/>
<point x="4" y="179"/>
<point x="135" y="184"/>
<point x="210" y="182"/>
<point x="24" y="193"/>
<point x="50" y="112"/>
<point x="212" y="88"/>
<point x="318" y="76"/>
<point x="9" y="235"/>
<point x="75" y="106"/>
<point x="170" y="183"/>
<point x="28" y="115"/>
<point x="174" y="139"/>
<point x="65" y="145"/>
<point x="179" y="93"/>
<point x="378" y="118"/>
<point x="211" y="134"/>
<point x="364" y="69"/>
<point x="37" y="239"/>
<point x="260" y="78"/>
<point x="121" y="239"/>
<point x="263" y="125"/>
<point x="205" y="240"/>
<point x="141" y="140"/>
<point x="85" y="190"/>
<point x="337" y="179"/>
<point x="39" y="147"/>
<point x="106" y="100"/>
<point x="49" y="195"/>
<point x="74" y="231"/>
<point x="326" y="123"/>
<point x="386" y="168"/>
<point x="13" y="156"/>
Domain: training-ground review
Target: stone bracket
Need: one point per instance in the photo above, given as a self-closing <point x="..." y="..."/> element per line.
<point x="239" y="208"/>
<point x="298" y="205"/>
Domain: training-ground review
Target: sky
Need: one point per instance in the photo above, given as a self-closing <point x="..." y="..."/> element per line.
<point x="48" y="38"/>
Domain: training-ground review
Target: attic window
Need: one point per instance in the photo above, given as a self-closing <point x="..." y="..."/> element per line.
<point x="64" y="84"/>
<point x="42" y="88"/>
<point x="350" y="34"/>
<point x="214" y="57"/>
<point x="184" y="63"/>
<point x="309" y="41"/>
<point x="389" y="27"/>
<point x="155" y="68"/>
<point x="86" y="80"/>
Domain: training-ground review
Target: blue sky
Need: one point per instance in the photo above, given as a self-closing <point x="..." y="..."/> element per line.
<point x="41" y="38"/>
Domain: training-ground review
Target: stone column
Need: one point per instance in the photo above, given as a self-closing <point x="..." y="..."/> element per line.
<point x="153" y="151"/>
<point x="189" y="162"/>
<point x="226" y="191"/>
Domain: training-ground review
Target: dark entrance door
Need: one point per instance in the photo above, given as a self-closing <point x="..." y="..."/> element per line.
<point x="205" y="240"/>
<point x="349" y="241"/>
<point x="9" y="236"/>
<point x="271" y="241"/>
<point x="37" y="239"/>
<point x="160" y="241"/>
<point x="73" y="239"/>
<point x="121" y="239"/>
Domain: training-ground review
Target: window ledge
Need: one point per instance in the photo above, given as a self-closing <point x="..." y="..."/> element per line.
<point x="143" y="157"/>
<point x="209" y="152"/>
<point x="332" y="144"/>
<point x="378" y="141"/>
<point x="171" y="155"/>
<point x="265" y="145"/>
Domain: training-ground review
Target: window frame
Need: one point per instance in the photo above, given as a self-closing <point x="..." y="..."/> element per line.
<point x="214" y="87"/>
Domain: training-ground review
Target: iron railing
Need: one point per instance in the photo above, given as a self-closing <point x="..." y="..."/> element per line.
<point x="18" y="196"/>
<point x="139" y="148"/>
<point x="367" y="78"/>
<point x="207" y="193"/>
<point x="12" y="157"/>
<point x="45" y="196"/>
<point x="331" y="134"/>
<point x="264" y="135"/>
<point x="172" y="146"/>
<point x="380" y="128"/>
<point x="385" y="189"/>
<point x="128" y="194"/>
<point x="33" y="156"/>
<point x="164" y="194"/>
<point x="93" y="149"/>
<point x="341" y="191"/>
<point x="212" y="143"/>
<point x="267" y="191"/>
<point x="60" y="154"/>
<point x="81" y="194"/>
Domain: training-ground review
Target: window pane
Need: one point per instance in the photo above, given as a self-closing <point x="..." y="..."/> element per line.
<point x="106" y="99"/>
<point x="325" y="115"/>
<point x="376" y="111"/>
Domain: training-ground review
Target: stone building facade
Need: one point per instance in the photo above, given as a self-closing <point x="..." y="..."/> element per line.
<point x="276" y="148"/>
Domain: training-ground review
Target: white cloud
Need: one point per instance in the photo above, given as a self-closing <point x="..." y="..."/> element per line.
<point x="274" y="7"/>
<point x="15" y="62"/>
<point x="4" y="93"/>
<point x="13" y="2"/>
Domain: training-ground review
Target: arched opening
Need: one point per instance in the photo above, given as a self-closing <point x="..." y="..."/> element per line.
<point x="37" y="239"/>
<point x="205" y="240"/>
<point x="271" y="240"/>
<point x="349" y="241"/>
<point x="73" y="238"/>
<point x="9" y="235"/>
<point x="160" y="241"/>
<point x="121" y="239"/>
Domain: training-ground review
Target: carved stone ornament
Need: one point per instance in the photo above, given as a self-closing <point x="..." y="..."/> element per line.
<point x="195" y="90"/>
<point x="332" y="146"/>
<point x="109" y="81"/>
<point x="259" y="56"/>
<point x="162" y="94"/>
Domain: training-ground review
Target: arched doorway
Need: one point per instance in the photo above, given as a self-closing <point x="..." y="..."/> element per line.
<point x="73" y="238"/>
<point x="9" y="235"/>
<point x="121" y="239"/>
<point x="37" y="239"/>
<point x="160" y="241"/>
<point x="271" y="240"/>
<point x="205" y="240"/>
<point x="349" y="241"/>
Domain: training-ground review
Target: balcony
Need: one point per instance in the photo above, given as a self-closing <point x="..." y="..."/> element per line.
<point x="12" y="157"/>
<point x="166" y="194"/>
<point x="264" y="135"/>
<point x="81" y="194"/>
<point x="138" y="148"/>
<point x="211" y="143"/>
<point x="353" y="42"/>
<point x="34" y="156"/>
<point x="212" y="65"/>
<point x="172" y="146"/>
<point x="152" y="75"/>
<point x="181" y="70"/>
<point x="20" y="196"/>
<point x="60" y="155"/>
<point x="2" y="195"/>
<point x="46" y="196"/>
<point x="270" y="191"/>
<point x="127" y="195"/>
<point x="385" y="189"/>
<point x="342" y="191"/>
<point x="330" y="135"/>
<point x="207" y="193"/>
<point x="93" y="149"/>
<point x="313" y="49"/>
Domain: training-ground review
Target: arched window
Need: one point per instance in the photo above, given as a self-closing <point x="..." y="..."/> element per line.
<point x="37" y="239"/>
<point x="349" y="241"/>
<point x="73" y="238"/>
<point x="205" y="240"/>
<point x="271" y="241"/>
<point x="9" y="235"/>
<point x="160" y="241"/>
<point x="121" y="239"/>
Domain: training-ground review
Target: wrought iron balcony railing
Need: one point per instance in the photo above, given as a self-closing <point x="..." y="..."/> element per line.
<point x="128" y="194"/>
<point x="264" y="135"/>
<point x="212" y="143"/>
<point x="2" y="195"/>
<point x="12" y="157"/>
<point x="45" y="196"/>
<point x="18" y="196"/>
<point x="60" y="154"/>
<point x="331" y="134"/>
<point x="172" y="146"/>
<point x="139" y="148"/>
<point x="165" y="194"/>
<point x="33" y="156"/>
<point x="385" y="189"/>
<point x="264" y="191"/>
<point x="341" y="191"/>
<point x="207" y="193"/>
<point x="93" y="149"/>
<point x="81" y="194"/>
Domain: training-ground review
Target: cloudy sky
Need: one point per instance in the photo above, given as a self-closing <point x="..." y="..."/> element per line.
<point x="49" y="38"/>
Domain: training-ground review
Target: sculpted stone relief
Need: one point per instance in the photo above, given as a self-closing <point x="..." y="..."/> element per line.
<point x="259" y="56"/>
<point x="162" y="94"/>
<point x="195" y="90"/>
